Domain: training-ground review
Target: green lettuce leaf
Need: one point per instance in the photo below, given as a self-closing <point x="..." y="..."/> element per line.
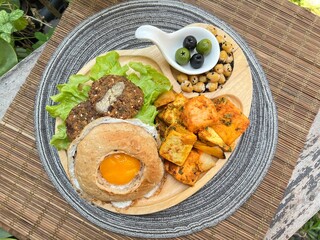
<point x="147" y="114"/>
<point x="60" y="139"/>
<point x="70" y="94"/>
<point x="107" y="64"/>
<point x="152" y="83"/>
<point x="8" y="57"/>
<point x="150" y="77"/>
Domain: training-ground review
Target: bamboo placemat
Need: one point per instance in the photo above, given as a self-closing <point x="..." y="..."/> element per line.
<point x="284" y="39"/>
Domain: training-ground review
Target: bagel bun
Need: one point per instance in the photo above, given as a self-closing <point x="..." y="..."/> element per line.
<point x="115" y="160"/>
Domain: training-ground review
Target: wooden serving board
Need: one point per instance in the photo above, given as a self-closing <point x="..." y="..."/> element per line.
<point x="238" y="89"/>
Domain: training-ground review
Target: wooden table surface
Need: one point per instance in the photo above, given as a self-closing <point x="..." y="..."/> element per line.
<point x="301" y="199"/>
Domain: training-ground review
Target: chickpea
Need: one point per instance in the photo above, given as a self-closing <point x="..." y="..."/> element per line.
<point x="222" y="79"/>
<point x="223" y="56"/>
<point x="193" y="79"/>
<point x="229" y="58"/>
<point x="199" y="87"/>
<point x="220" y="39"/>
<point x="203" y="78"/>
<point x="213" y="77"/>
<point x="227" y="46"/>
<point x="212" y="29"/>
<point x="218" y="68"/>
<point x="182" y="77"/>
<point x="227" y="70"/>
<point x="212" y="86"/>
<point x="186" y="86"/>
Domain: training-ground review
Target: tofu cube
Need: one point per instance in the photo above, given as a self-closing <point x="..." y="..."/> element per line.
<point x="177" y="145"/>
<point x="199" y="113"/>
<point x="189" y="172"/>
<point x="170" y="115"/>
<point x="172" y="112"/>
<point x="232" y="122"/>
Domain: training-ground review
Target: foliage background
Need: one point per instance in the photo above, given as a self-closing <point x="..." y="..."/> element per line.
<point x="22" y="30"/>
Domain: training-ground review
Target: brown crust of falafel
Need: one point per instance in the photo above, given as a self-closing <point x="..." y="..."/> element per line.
<point x="127" y="104"/>
<point x="79" y="117"/>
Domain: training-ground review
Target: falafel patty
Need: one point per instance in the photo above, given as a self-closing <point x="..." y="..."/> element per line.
<point x="79" y="117"/>
<point x="115" y="96"/>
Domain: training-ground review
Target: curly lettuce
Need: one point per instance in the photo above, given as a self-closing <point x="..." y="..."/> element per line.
<point x="60" y="139"/>
<point x="70" y="94"/>
<point x="106" y="65"/>
<point x="75" y="91"/>
<point x="152" y="84"/>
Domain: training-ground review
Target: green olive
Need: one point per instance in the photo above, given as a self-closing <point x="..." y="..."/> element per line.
<point x="182" y="56"/>
<point x="204" y="46"/>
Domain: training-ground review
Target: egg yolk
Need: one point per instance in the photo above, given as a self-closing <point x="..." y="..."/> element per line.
<point x="119" y="168"/>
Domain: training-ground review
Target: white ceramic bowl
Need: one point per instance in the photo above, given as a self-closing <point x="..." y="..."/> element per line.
<point x="169" y="43"/>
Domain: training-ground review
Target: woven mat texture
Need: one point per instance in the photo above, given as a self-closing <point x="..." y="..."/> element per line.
<point x="285" y="39"/>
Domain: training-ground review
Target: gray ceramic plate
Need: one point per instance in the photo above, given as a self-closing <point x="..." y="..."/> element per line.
<point x="114" y="28"/>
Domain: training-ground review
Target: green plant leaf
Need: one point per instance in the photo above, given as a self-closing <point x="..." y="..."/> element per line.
<point x="15" y="15"/>
<point x="42" y="38"/>
<point x="22" y="53"/>
<point x="8" y="57"/>
<point x="312" y="234"/>
<point x="4" y="17"/>
<point x="311" y="229"/>
<point x="20" y="24"/>
<point x="6" y="37"/>
<point x="37" y="45"/>
<point x="4" y="234"/>
<point x="6" y="28"/>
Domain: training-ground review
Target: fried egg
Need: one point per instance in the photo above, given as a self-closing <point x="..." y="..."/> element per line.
<point x="115" y="161"/>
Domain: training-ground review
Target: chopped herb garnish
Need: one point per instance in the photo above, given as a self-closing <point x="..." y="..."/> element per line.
<point x="227" y="115"/>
